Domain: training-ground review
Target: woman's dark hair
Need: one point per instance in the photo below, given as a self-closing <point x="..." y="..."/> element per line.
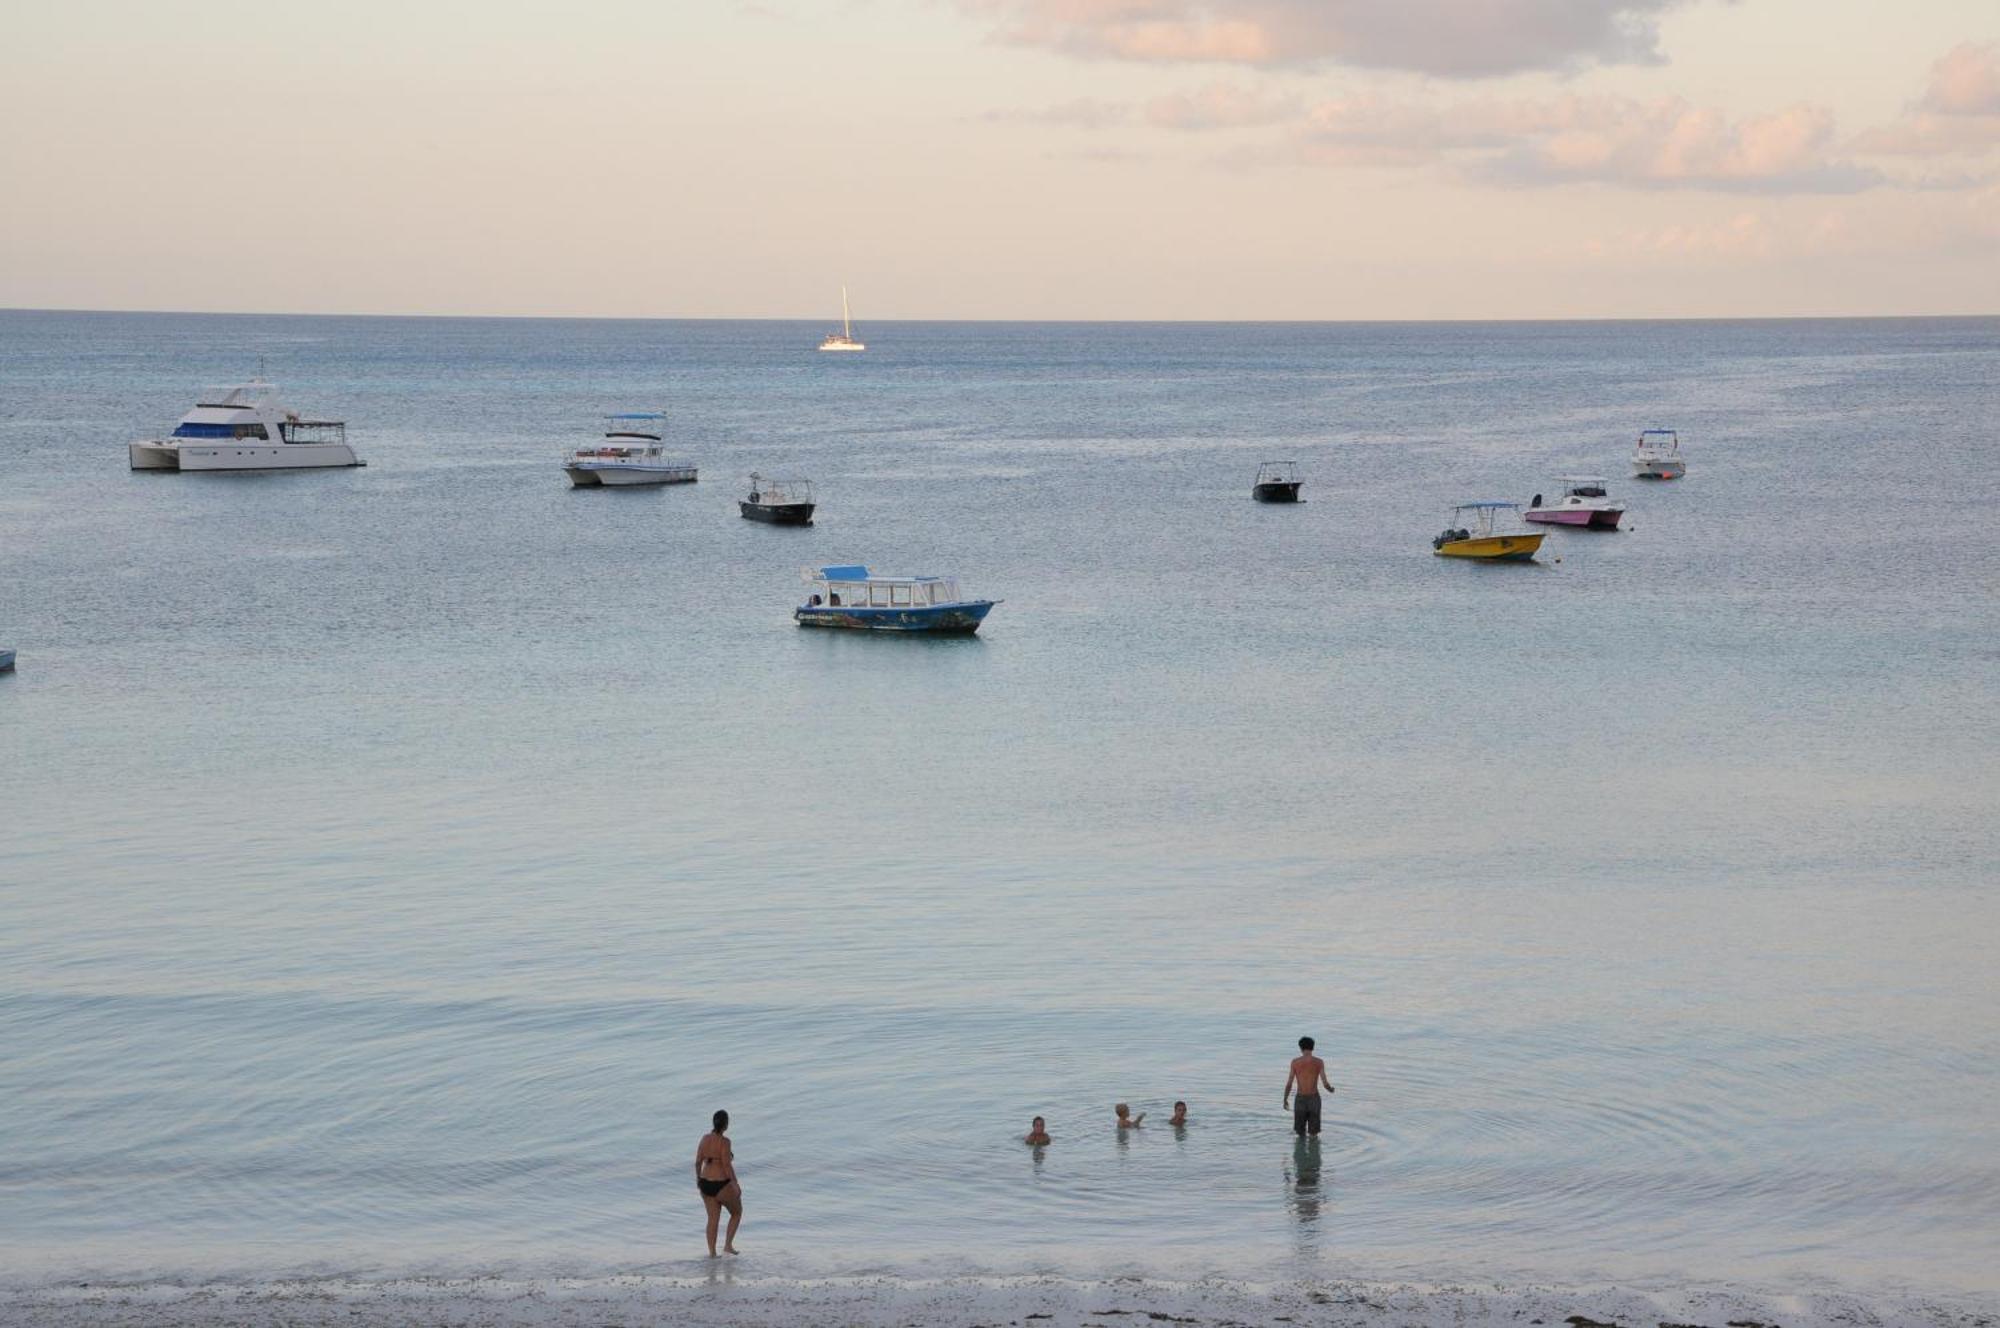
<point x="1305" y="1044"/>
<point x="721" y="1121"/>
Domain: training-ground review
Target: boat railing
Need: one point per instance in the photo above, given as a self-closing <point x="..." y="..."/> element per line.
<point x="779" y="492"/>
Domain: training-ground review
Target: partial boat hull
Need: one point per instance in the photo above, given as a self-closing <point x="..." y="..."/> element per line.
<point x="961" y="619"/>
<point x="1494" y="548"/>
<point x="6" y="660"/>
<point x="245" y="455"/>
<point x="1658" y="470"/>
<point x="584" y="477"/>
<point x="778" y="514"/>
<point x="1598" y="518"/>
<point x="1276" y="493"/>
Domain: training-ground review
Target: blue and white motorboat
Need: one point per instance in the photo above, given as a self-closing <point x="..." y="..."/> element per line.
<point x="848" y="596"/>
<point x="245" y="427"/>
<point x="6" y="660"/>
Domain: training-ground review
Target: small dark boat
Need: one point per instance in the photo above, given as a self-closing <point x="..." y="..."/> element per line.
<point x="1277" y="482"/>
<point x="778" y="501"/>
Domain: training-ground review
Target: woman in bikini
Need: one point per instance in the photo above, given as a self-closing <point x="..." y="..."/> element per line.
<point x="715" y="1177"/>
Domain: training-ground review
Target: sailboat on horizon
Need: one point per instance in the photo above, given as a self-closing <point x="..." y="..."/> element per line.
<point x="843" y="339"/>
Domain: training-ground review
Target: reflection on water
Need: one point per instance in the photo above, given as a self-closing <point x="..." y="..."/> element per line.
<point x="1302" y="1182"/>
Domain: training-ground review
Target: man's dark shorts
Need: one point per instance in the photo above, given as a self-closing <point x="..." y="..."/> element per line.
<point x="1305" y="1114"/>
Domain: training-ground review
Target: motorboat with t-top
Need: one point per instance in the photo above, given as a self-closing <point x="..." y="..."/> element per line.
<point x="630" y="454"/>
<point x="1584" y="502"/>
<point x="1277" y="482"/>
<point x="1477" y="530"/>
<point x="245" y="427"/>
<point x="778" y="501"/>
<point x="850" y="596"/>
<point x="843" y="339"/>
<point x="1658" y="455"/>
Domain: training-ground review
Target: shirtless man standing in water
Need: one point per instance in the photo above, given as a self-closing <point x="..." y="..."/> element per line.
<point x="715" y="1177"/>
<point x="1308" y="1072"/>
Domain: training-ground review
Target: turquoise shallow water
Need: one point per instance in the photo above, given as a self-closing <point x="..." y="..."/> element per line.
<point x="397" y="865"/>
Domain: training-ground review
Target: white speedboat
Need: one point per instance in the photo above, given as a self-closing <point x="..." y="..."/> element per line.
<point x="1658" y="456"/>
<point x="630" y="454"/>
<point x="1584" y="502"/>
<point x="246" y="428"/>
<point x="843" y="339"/>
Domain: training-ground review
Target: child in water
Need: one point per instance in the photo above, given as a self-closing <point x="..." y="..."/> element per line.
<point x="1126" y="1120"/>
<point x="1038" y="1134"/>
<point x="1180" y="1114"/>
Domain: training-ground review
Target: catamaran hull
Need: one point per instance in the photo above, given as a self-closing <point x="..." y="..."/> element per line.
<point x="234" y="455"/>
<point x="941" y="619"/>
<point x="584" y="477"/>
<point x="1494" y="548"/>
<point x="1601" y="518"/>
<point x="777" y="514"/>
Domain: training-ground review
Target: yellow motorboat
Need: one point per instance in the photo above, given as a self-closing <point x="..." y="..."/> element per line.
<point x="1473" y="533"/>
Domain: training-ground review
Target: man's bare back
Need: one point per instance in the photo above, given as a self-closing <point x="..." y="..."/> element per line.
<point x="1308" y="1073"/>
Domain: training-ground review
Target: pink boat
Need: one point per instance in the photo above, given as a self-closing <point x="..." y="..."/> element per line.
<point x="1583" y="503"/>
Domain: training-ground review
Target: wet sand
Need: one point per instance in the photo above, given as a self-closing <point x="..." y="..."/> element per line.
<point x="727" y="1299"/>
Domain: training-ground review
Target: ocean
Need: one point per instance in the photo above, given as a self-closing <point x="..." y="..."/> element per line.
<point x="399" y="864"/>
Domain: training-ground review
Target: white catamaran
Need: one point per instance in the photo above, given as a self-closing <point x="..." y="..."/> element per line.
<point x="843" y="339"/>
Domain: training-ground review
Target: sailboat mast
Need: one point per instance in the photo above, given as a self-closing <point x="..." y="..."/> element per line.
<point x="846" y="324"/>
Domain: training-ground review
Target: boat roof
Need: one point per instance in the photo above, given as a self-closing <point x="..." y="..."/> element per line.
<point x="239" y="395"/>
<point x="1582" y="479"/>
<point x="637" y="415"/>
<point x="1644" y="432"/>
<point x="856" y="572"/>
<point x="1487" y="503"/>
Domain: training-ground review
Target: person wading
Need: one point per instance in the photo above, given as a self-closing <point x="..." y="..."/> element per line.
<point x="715" y="1177"/>
<point x="1307" y="1074"/>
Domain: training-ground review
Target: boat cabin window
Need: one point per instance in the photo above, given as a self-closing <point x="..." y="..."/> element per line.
<point x="221" y="431"/>
<point x="899" y="596"/>
<point x="1588" y="491"/>
<point x="878" y="597"/>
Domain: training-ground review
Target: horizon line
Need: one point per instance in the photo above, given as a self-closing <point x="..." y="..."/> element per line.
<point x="1190" y="322"/>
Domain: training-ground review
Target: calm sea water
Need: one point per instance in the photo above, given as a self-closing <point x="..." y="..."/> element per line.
<point x="397" y="865"/>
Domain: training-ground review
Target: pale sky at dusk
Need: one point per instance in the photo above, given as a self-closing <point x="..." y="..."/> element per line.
<point x="1004" y="158"/>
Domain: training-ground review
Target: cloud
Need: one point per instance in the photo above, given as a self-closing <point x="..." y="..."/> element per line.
<point x="1966" y="81"/>
<point x="1219" y="106"/>
<point x="1665" y="144"/>
<point x="1082" y="113"/>
<point x="1957" y="115"/>
<point x="1452" y="38"/>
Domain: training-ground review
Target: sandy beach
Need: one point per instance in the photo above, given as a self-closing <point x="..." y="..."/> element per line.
<point x="724" y="1299"/>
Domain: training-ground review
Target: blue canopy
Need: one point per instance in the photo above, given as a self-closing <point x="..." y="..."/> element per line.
<point x="850" y="572"/>
<point x="1468" y="507"/>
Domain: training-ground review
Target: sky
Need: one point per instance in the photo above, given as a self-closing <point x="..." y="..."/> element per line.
<point x="1011" y="159"/>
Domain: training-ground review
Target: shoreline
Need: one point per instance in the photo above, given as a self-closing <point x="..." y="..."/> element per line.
<point x="970" y="1302"/>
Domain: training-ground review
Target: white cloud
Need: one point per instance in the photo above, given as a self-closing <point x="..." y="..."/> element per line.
<point x="1665" y="144"/>
<point x="1220" y="106"/>
<point x="1957" y="116"/>
<point x="1081" y="113"/>
<point x="1451" y="38"/>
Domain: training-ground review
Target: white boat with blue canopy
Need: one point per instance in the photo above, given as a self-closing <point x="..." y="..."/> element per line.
<point x="848" y="595"/>
<point x="245" y="427"/>
<point x="630" y="454"/>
